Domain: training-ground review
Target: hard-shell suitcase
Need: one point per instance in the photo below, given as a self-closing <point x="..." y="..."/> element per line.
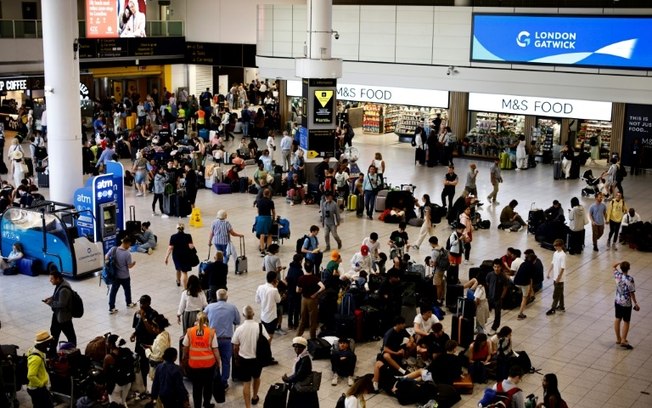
<point x="133" y="227"/>
<point x="575" y="242"/>
<point x="203" y="133"/>
<point x="277" y="396"/>
<point x="453" y="292"/>
<point x="505" y="161"/>
<point x="221" y="188"/>
<point x="170" y="204"/>
<point x="535" y="218"/>
<point x="241" y="260"/>
<point x="372" y="322"/>
<point x="462" y="327"/>
<point x="381" y="197"/>
<point x="419" y="156"/>
<point x="556" y="171"/>
<point x="43" y="180"/>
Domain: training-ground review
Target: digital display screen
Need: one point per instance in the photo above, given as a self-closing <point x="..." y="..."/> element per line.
<point x="590" y="41"/>
<point x="116" y="18"/>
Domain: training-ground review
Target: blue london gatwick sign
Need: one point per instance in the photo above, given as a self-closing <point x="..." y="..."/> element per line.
<point x="593" y="41"/>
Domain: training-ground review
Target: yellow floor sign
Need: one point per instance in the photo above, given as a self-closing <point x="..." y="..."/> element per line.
<point x="195" y="218"/>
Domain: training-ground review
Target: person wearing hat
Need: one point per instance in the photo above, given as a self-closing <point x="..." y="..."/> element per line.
<point x="17" y="170"/>
<point x="61" y="304"/>
<point x="302" y="369"/>
<point x="122" y="261"/>
<point x="343" y="361"/>
<point x="37" y="374"/>
<point x="244" y="341"/>
<point x="360" y="261"/>
<point x="180" y="248"/>
<point x="221" y="232"/>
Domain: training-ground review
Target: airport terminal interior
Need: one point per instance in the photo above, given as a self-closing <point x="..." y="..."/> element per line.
<point x="578" y="345"/>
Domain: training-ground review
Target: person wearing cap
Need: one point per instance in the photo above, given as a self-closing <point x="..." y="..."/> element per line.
<point x="221" y="232"/>
<point x="244" y="341"/>
<point x="122" y="261"/>
<point x="360" y="261"/>
<point x="343" y="361"/>
<point x="302" y="369"/>
<point x="61" y="304"/>
<point x="37" y="374"/>
<point x="17" y="171"/>
<point x="180" y="248"/>
<point x="223" y="317"/>
<point x="330" y="219"/>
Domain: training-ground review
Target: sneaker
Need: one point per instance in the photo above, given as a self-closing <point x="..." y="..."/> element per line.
<point x="467" y="262"/>
<point x="131" y="305"/>
<point x="339" y="245"/>
<point x="350" y="381"/>
<point x="154" y="214"/>
<point x="334" y="379"/>
<point x="550" y="312"/>
<point x="165" y="216"/>
<point x="149" y="251"/>
<point x="626" y="346"/>
<point x="139" y="194"/>
<point x="280" y="331"/>
<point x="561" y="309"/>
<point x="113" y="311"/>
<point x="521" y="316"/>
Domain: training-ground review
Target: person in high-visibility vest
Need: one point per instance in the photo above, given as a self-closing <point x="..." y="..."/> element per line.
<point x="201" y="358"/>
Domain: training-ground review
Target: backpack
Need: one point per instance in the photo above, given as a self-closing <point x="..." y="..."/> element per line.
<point x="498" y="398"/>
<point x="621" y="173"/>
<point x="124" y="368"/>
<point x="77" y="305"/>
<point x="442" y="261"/>
<point x="300" y="242"/>
<point x="341" y="401"/>
<point x="109" y="271"/>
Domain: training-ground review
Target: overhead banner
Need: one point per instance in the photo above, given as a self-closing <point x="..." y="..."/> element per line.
<point x="593" y="41"/>
<point x="382" y="94"/>
<point x="536" y="106"/>
<point x="115" y="18"/>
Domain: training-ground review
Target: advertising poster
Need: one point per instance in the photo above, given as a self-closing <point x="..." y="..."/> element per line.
<point x="115" y="18"/>
<point x="323" y="106"/>
<point x="638" y="130"/>
<point x="593" y="41"/>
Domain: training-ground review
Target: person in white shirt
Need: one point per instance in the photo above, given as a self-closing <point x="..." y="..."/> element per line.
<point x="193" y="301"/>
<point x="286" y="151"/>
<point x="423" y="323"/>
<point x="245" y="341"/>
<point x="374" y="249"/>
<point x="627" y="224"/>
<point x="361" y="261"/>
<point x="556" y="270"/>
<point x="516" y="263"/>
<point x="271" y="144"/>
<point x="267" y="297"/>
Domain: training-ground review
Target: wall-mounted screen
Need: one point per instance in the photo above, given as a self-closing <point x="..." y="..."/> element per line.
<point x="115" y="18"/>
<point x="590" y="41"/>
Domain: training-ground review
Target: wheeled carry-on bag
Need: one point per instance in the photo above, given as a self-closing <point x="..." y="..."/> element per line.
<point x="133" y="226"/>
<point x="462" y="327"/>
<point x="241" y="260"/>
<point x="277" y="396"/>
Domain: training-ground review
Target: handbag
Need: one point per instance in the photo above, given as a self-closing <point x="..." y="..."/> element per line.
<point x="24" y="167"/>
<point x="310" y="384"/>
<point x="263" y="348"/>
<point x="193" y="258"/>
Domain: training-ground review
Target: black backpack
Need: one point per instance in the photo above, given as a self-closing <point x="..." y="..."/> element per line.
<point x="300" y="242"/>
<point x="77" y="305"/>
<point x="124" y="368"/>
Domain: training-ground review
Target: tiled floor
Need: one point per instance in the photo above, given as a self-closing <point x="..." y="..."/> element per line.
<point x="577" y="345"/>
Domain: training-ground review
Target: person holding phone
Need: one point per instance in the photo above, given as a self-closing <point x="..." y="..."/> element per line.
<point x="625" y="302"/>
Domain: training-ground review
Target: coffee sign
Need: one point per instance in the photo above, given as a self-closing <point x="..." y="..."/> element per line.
<point x="17" y="84"/>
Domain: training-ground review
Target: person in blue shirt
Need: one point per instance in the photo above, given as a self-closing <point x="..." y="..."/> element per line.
<point x="223" y="317"/>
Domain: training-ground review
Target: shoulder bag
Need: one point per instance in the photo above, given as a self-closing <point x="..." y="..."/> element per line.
<point x="263" y="348"/>
<point x="310" y="383"/>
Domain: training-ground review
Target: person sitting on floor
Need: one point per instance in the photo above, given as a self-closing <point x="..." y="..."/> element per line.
<point x="396" y="346"/>
<point x="343" y="361"/>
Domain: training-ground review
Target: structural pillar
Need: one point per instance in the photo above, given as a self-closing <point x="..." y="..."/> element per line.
<point x="60" y="32"/>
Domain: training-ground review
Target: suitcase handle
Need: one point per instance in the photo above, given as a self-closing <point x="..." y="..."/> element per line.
<point x="132" y="213"/>
<point x="208" y="257"/>
<point x="242" y="246"/>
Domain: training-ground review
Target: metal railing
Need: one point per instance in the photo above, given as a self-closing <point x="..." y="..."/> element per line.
<point x="34" y="28"/>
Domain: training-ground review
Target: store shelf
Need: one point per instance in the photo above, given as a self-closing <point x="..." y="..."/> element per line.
<point x="410" y="117"/>
<point x="492" y="134"/>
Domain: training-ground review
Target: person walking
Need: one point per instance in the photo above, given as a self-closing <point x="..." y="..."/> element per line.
<point x="470" y="188"/>
<point x="497" y="285"/>
<point x="427" y="228"/>
<point x="616" y="210"/>
<point x="223" y="317"/>
<point x="37" y="374"/>
<point x="193" y="301"/>
<point x="122" y="262"/>
<point x="597" y="215"/>
<point x="61" y="304"/>
<point x="267" y="297"/>
<point x="201" y="356"/>
<point x="496" y="178"/>
<point x="180" y="248"/>
<point x="286" y="151"/>
<point x="330" y="219"/>
<point x="556" y="270"/>
<point x="245" y="339"/>
<point x="168" y="386"/>
<point x="264" y="220"/>
<point x="625" y="302"/>
<point x="221" y="232"/>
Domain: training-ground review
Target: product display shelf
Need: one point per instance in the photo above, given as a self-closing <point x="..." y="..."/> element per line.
<point x="589" y="128"/>
<point x="390" y="114"/>
<point x="411" y="117"/>
<point x="372" y="119"/>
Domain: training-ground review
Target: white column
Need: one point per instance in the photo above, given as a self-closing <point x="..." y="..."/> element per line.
<point x="62" y="98"/>
<point x="320" y="29"/>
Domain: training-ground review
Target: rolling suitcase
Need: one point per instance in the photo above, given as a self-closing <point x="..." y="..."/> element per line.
<point x="277" y="396"/>
<point x="556" y="171"/>
<point x="462" y="327"/>
<point x="372" y="323"/>
<point x="241" y="261"/>
<point x="419" y="156"/>
<point x="575" y="242"/>
<point x="381" y="197"/>
<point x="535" y="218"/>
<point x="43" y="180"/>
<point x="203" y="133"/>
<point x="133" y="227"/>
<point x="453" y="292"/>
<point x="170" y="204"/>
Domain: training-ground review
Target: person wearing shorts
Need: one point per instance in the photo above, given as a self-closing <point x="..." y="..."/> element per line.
<point x="625" y="302"/>
<point x="438" y="275"/>
<point x="266" y="215"/>
<point x="244" y="342"/>
<point x="267" y="297"/>
<point x="522" y="280"/>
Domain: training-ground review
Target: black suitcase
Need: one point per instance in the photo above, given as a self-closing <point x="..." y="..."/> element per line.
<point x="319" y="348"/>
<point x="277" y="396"/>
<point x="462" y="330"/>
<point x="453" y="275"/>
<point x="43" y="180"/>
<point x="452" y="293"/>
<point x="574" y="172"/>
<point x="170" y="204"/>
<point x="133" y="227"/>
<point x="345" y="326"/>
<point x="535" y="218"/>
<point x="575" y="242"/>
<point x="372" y="322"/>
<point x="243" y="184"/>
<point x="513" y="298"/>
